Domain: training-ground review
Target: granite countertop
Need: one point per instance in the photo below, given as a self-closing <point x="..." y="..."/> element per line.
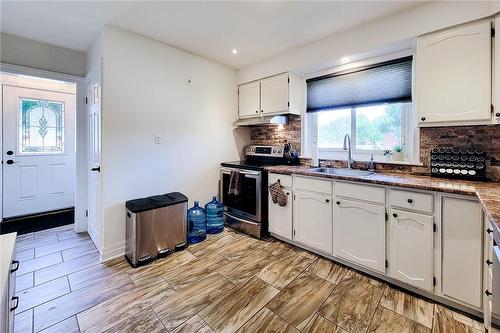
<point x="487" y="192"/>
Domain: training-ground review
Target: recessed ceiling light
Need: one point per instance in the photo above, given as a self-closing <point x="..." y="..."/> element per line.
<point x="345" y="60"/>
<point x="235" y="51"/>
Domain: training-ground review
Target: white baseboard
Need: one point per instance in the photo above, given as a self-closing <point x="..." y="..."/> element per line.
<point x="113" y="251"/>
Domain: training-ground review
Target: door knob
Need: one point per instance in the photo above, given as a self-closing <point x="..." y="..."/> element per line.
<point x="395" y="215"/>
<point x="9" y="162"/>
<point x="98" y="169"/>
<point x="489" y="230"/>
<point x="488" y="293"/>
<point x="10" y="152"/>
<point x="489" y="262"/>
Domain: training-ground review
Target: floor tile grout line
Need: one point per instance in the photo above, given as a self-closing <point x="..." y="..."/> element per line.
<point x="402" y="314"/>
<point x="376" y="307"/>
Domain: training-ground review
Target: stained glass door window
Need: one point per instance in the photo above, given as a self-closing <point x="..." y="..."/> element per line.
<point x="41" y="126"/>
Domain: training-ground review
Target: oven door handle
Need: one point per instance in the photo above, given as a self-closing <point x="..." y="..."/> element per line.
<point x="243" y="172"/>
<point x="241" y="220"/>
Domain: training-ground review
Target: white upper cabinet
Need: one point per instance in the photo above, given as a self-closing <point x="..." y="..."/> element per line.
<point x="496" y="76"/>
<point x="274" y="94"/>
<point x="279" y="94"/>
<point x="453" y="76"/>
<point x="411" y="244"/>
<point x="359" y="233"/>
<point x="312" y="220"/>
<point x="249" y="99"/>
<point x="462" y="250"/>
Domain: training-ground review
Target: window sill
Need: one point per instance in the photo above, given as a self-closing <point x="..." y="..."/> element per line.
<point x="398" y="162"/>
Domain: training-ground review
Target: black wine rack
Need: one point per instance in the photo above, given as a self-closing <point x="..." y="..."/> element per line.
<point x="463" y="163"/>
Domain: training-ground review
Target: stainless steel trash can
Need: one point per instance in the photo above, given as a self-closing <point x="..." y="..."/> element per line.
<point x="155" y="226"/>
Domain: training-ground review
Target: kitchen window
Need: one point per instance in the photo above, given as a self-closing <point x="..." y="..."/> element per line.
<point x="372" y="104"/>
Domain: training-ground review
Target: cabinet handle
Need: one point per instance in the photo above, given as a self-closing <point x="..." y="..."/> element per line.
<point x="15" y="266"/>
<point x="410" y="201"/>
<point x="395" y="215"/>
<point x="489" y="230"/>
<point x="489" y="262"/>
<point x="488" y="293"/>
<point x="327" y="200"/>
<point x="423" y="118"/>
<point x="338" y="202"/>
<point x="15" y="299"/>
<point x="257" y="111"/>
<point x="287" y="193"/>
<point x="497" y="114"/>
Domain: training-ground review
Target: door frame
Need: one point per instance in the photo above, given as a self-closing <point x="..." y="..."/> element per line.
<point x="80" y="136"/>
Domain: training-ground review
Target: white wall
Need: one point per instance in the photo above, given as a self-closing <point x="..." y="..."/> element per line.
<point x="385" y="35"/>
<point x="146" y="91"/>
<point x="21" y="51"/>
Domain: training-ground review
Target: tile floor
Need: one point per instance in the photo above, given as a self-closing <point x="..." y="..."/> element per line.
<point x="228" y="283"/>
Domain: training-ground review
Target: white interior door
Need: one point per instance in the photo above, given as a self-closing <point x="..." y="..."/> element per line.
<point x="38" y="151"/>
<point x="94" y="158"/>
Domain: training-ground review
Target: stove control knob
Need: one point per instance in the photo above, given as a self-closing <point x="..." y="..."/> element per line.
<point x="279" y="151"/>
<point x="274" y="150"/>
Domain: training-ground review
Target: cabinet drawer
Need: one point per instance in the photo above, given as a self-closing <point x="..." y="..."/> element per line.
<point x="361" y="192"/>
<point x="285" y="180"/>
<point x="314" y="185"/>
<point x="422" y="202"/>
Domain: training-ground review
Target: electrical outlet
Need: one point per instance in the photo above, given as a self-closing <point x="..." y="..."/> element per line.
<point x="157" y="138"/>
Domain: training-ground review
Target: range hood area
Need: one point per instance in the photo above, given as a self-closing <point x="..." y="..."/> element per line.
<point x="265" y="120"/>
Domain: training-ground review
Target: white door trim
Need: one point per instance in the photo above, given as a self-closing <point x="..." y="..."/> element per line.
<point x="81" y="135"/>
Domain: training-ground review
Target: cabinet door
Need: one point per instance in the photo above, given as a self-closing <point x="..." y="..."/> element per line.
<point x="274" y="94"/>
<point x="453" y="75"/>
<point x="462" y="250"/>
<point x="359" y="233"/>
<point x="411" y="242"/>
<point x="312" y="220"/>
<point x="280" y="218"/>
<point x="249" y="99"/>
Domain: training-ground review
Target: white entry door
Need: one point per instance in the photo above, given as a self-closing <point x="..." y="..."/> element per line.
<point x="38" y="151"/>
<point x="93" y="101"/>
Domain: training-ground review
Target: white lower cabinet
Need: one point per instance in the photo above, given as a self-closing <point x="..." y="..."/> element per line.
<point x="359" y="233"/>
<point x="462" y="249"/>
<point x="312" y="220"/>
<point x="280" y="218"/>
<point x="411" y="248"/>
<point x="349" y="221"/>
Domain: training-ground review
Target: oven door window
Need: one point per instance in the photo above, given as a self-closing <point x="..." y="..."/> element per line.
<point x="247" y="200"/>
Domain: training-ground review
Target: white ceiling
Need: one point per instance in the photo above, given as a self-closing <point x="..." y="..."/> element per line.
<point x="257" y="29"/>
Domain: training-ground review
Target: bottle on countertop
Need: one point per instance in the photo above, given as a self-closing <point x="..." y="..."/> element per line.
<point x="197" y="224"/>
<point x="215" y="216"/>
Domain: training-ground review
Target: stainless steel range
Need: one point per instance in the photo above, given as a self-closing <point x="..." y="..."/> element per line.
<point x="243" y="187"/>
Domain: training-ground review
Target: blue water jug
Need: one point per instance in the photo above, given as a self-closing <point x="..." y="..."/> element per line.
<point x="215" y="216"/>
<point x="197" y="224"/>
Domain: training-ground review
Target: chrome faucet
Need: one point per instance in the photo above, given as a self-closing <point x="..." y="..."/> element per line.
<point x="347" y="146"/>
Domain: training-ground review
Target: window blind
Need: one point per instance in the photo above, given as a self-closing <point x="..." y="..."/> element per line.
<point x="387" y="82"/>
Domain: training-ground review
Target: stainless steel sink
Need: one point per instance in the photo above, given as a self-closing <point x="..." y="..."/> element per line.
<point x="344" y="172"/>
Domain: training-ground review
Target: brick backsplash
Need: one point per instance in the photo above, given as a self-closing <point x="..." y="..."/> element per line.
<point x="277" y="135"/>
<point x="486" y="138"/>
